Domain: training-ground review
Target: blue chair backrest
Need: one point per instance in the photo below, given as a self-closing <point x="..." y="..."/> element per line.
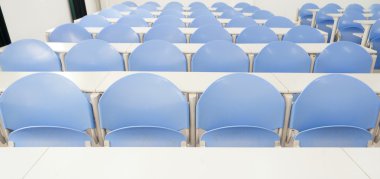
<point x="168" y="19"/>
<point x="242" y="5"/>
<point x="143" y="100"/>
<point x="118" y="33"/>
<point x="93" y="55"/>
<point x="93" y="21"/>
<point x="177" y="14"/>
<point x="230" y="14"/>
<point x="148" y="7"/>
<point x="165" y="32"/>
<point x="262" y="14"/>
<point x="374" y="33"/>
<point x="304" y="34"/>
<point x="347" y="21"/>
<point x="110" y="13"/>
<point x="29" y="55"/>
<point x="250" y="9"/>
<point x="204" y="20"/>
<point x="204" y="13"/>
<point x="220" y="56"/>
<point x="354" y="7"/>
<point x="130" y="4"/>
<point x="142" y="13"/>
<point x="240" y="100"/>
<point x="224" y="9"/>
<point x="173" y="6"/>
<point x="279" y="22"/>
<point x="208" y="33"/>
<point x="304" y="10"/>
<point x="282" y="57"/>
<point x="157" y="55"/>
<point x="241" y="22"/>
<point x="45" y="99"/>
<point x="322" y="17"/>
<point x="324" y="103"/>
<point x="133" y="21"/>
<point x="69" y="33"/>
<point x="152" y="3"/>
<point x="256" y="34"/>
<point x="196" y="5"/>
<point x="343" y="57"/>
<point x="219" y="4"/>
<point x="121" y="7"/>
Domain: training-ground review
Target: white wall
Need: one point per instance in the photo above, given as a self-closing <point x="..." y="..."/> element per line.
<point x="31" y="18"/>
<point x="92" y="6"/>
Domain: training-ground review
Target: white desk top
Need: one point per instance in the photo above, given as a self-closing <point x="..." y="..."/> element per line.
<point x="368" y="160"/>
<point x="185" y="13"/>
<point x="168" y="163"/>
<point x="337" y="15"/>
<point x="15" y="163"/>
<point x="313" y="10"/>
<point x="365" y="22"/>
<point x="184" y="20"/>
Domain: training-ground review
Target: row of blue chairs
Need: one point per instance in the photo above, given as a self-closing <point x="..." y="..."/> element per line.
<point x="158" y="55"/>
<point x="146" y="110"/>
<point x="120" y="33"/>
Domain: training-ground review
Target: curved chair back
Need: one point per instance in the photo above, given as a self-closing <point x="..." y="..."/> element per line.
<point x="204" y="20"/>
<point x="304" y="34"/>
<point x="354" y="7"/>
<point x="197" y="5"/>
<point x="142" y="13"/>
<point x="169" y="20"/>
<point x="148" y="7"/>
<point x="130" y="4"/>
<point x="165" y="32"/>
<point x="230" y="14"/>
<point x="152" y="3"/>
<point x="262" y="14"/>
<point x="219" y="4"/>
<point x="121" y="7"/>
<point x="256" y="34"/>
<point x="133" y="21"/>
<point x="110" y="13"/>
<point x="175" y="13"/>
<point x="242" y="5"/>
<point x="203" y="13"/>
<point x="93" y="55"/>
<point x="241" y="22"/>
<point x="220" y="56"/>
<point x="279" y="22"/>
<point x="208" y="33"/>
<point x="29" y="55"/>
<point x="118" y="33"/>
<point x="343" y="57"/>
<point x="347" y="27"/>
<point x="250" y="9"/>
<point x="69" y="33"/>
<point x="157" y="55"/>
<point x="282" y="57"/>
<point x="93" y="21"/>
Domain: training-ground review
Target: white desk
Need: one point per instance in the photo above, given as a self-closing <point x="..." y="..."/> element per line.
<point x="185" y="8"/>
<point x="367" y="26"/>
<point x="364" y="10"/>
<point x="314" y="16"/>
<point x="187" y="21"/>
<point x="168" y="163"/>
<point x="16" y="162"/>
<point x="367" y="159"/>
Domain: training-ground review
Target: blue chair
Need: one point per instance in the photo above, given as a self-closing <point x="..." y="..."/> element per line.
<point x="110" y="13"/>
<point x="374" y="39"/>
<point x="241" y="22"/>
<point x="202" y="14"/>
<point x="256" y="34"/>
<point x="343" y="57"/>
<point x="262" y="14"/>
<point x="224" y="9"/>
<point x="173" y="6"/>
<point x="46" y="110"/>
<point x="304" y="34"/>
<point x="69" y="33"/>
<point x="354" y="7"/>
<point x="220" y="56"/>
<point x="347" y="27"/>
<point x="230" y="14"/>
<point x="168" y="19"/>
<point x="305" y="15"/>
<point x="133" y="21"/>
<point x="93" y="55"/>
<point x="208" y="33"/>
<point x="279" y="22"/>
<point x="197" y="5"/>
<point x="93" y="21"/>
<point x="165" y="32"/>
<point x="240" y="110"/>
<point x="323" y="20"/>
<point x="242" y="5"/>
<point x="219" y="4"/>
<point x="250" y="9"/>
<point x="148" y="7"/>
<point x="152" y="3"/>
<point x="121" y="7"/>
<point x="157" y="55"/>
<point x="177" y="14"/>
<point x="130" y="4"/>
<point x="325" y="115"/>
<point x="141" y="13"/>
<point x="284" y="57"/>
<point x="204" y="20"/>
<point x="118" y="33"/>
<point x="29" y="55"/>
<point x="138" y="110"/>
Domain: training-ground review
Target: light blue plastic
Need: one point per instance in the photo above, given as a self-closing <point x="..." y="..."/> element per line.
<point x="133" y="21"/>
<point x="142" y="100"/>
<point x="148" y="7"/>
<point x="241" y="22"/>
<point x="177" y="14"/>
<point x="152" y="3"/>
<point x="262" y="14"/>
<point x="323" y="20"/>
<point x="168" y="19"/>
<point x="118" y="33"/>
<point x="142" y="13"/>
<point x="279" y="22"/>
<point x="165" y="32"/>
<point x="343" y="57"/>
<point x="45" y="100"/>
<point x="230" y="14"/>
<point x="93" y="55"/>
<point x="148" y="57"/>
<point x="354" y="7"/>
<point x="328" y="102"/>
<point x="202" y="13"/>
<point x="374" y="38"/>
<point x="256" y="34"/>
<point x="224" y="9"/>
<point x="69" y="33"/>
<point x="305" y="14"/>
<point x="204" y="20"/>
<point x="376" y="46"/>
<point x="197" y="5"/>
<point x="93" y="21"/>
<point x="130" y="3"/>
<point x="121" y="7"/>
<point x="219" y="4"/>
<point x="284" y="57"/>
<point x="220" y="56"/>
<point x="240" y="136"/>
<point x="250" y="9"/>
<point x="347" y="27"/>
<point x="208" y="33"/>
<point x="29" y="55"/>
<point x="242" y="5"/>
<point x="244" y="101"/>
<point x="145" y="136"/>
<point x="304" y="34"/>
<point x="110" y="13"/>
<point x="174" y="4"/>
